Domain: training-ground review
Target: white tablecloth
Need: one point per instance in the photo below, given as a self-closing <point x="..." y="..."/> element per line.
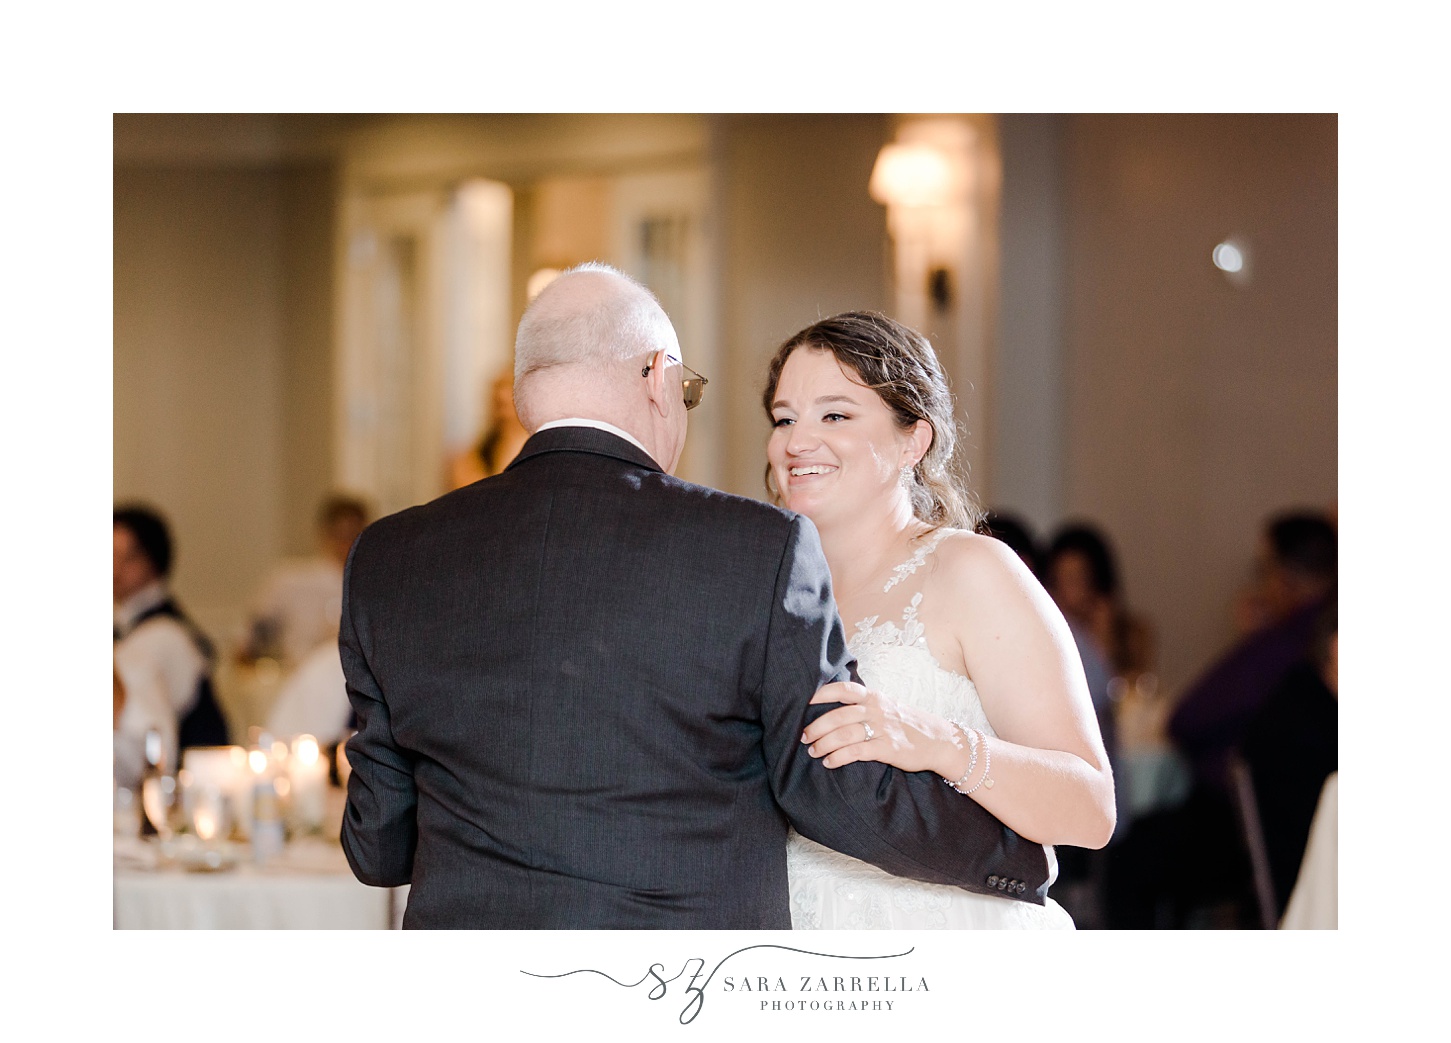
<point x="1315" y="902"/>
<point x="308" y="886"/>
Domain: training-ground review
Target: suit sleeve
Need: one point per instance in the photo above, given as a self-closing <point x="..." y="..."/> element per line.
<point x="380" y="826"/>
<point x="907" y="823"/>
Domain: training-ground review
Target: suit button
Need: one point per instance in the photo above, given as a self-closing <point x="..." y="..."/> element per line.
<point x="1002" y="883"/>
<point x="992" y="881"/>
<point x="1022" y="887"/>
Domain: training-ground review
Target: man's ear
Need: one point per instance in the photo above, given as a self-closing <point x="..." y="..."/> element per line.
<point x="655" y="384"/>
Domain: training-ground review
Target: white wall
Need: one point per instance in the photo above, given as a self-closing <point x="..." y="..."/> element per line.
<point x="199" y="322"/>
<point x="1196" y="407"/>
<point x="1028" y="439"/>
<point x="308" y="209"/>
<point x="800" y="240"/>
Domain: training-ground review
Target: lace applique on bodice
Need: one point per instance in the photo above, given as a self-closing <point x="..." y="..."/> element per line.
<point x="832" y="890"/>
<point x="914" y="563"/>
<point x="895" y="659"/>
<point x="911" y="633"/>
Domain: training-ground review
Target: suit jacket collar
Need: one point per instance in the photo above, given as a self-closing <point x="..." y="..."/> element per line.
<point x="584" y="440"/>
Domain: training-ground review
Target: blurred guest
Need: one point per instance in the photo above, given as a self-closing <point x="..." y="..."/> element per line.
<point x="300" y="602"/>
<point x="1081" y="574"/>
<point x="1297" y="568"/>
<point x="499" y="444"/>
<point x="131" y="720"/>
<point x="314" y="699"/>
<point x="1115" y="644"/>
<point x="1098" y="671"/>
<point x="1081" y="871"/>
<point x="162" y="660"/>
<point x="1013" y="531"/>
<point x="1210" y="867"/>
<point x="1260" y="603"/>
<point x="1291" y="747"/>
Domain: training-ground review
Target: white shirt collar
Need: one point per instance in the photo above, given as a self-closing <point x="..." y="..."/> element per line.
<point x="600" y="425"/>
<point x="145" y="599"/>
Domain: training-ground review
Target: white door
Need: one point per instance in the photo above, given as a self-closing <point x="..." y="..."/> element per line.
<point x="424" y="324"/>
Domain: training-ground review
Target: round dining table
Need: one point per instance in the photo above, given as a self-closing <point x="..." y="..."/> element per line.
<point x="307" y="885"/>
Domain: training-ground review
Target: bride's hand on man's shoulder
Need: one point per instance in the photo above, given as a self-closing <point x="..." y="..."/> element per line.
<point x="871" y="726"/>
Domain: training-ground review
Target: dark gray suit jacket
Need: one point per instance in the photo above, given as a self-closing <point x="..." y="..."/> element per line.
<point x="580" y="688"/>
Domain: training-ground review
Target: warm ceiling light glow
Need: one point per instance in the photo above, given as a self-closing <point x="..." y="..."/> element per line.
<point x="912" y="175"/>
<point x="1228" y="257"/>
<point x="540" y="279"/>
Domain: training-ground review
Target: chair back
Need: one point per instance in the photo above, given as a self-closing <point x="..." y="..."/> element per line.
<point x="1241" y="784"/>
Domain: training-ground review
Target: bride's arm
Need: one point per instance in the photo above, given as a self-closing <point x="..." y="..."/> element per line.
<point x="1050" y="779"/>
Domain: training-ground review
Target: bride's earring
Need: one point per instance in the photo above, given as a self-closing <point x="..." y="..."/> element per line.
<point x="905" y="475"/>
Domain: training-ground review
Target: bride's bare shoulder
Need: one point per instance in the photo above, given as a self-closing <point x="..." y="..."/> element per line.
<point x="982" y="561"/>
<point x="972" y="549"/>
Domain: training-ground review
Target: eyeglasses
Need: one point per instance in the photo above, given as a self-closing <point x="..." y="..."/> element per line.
<point x="693" y="384"/>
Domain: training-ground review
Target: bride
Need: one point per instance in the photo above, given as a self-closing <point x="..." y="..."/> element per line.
<point x="979" y="677"/>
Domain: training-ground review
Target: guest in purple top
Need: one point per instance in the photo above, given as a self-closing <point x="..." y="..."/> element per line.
<point x="1192" y="860"/>
<point x="1297" y="569"/>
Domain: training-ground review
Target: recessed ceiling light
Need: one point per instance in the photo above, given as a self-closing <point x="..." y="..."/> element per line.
<point x="1228" y="257"/>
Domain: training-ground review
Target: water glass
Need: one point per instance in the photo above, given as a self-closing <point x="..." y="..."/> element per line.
<point x="209" y="814"/>
<point x="126" y="807"/>
<point x="160" y="796"/>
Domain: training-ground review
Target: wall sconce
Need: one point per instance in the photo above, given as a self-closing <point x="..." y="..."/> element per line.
<point x="912" y="175"/>
<point x="925" y="189"/>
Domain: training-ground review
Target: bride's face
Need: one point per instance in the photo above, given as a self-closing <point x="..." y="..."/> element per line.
<point x="835" y="447"/>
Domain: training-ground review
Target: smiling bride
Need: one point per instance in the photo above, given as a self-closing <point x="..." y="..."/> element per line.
<point x="982" y="683"/>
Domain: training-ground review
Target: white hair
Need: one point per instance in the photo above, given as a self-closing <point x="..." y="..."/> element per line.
<point x="619" y="319"/>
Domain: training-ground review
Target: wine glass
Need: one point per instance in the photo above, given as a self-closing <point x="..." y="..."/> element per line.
<point x="156" y="757"/>
<point x="159" y="794"/>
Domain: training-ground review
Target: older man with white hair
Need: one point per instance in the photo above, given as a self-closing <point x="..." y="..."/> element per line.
<point x="581" y="684"/>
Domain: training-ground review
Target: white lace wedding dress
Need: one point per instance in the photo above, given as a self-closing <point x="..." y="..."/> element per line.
<point x="830" y="890"/>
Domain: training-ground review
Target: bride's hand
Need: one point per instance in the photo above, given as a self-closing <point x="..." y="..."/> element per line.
<point x="870" y="726"/>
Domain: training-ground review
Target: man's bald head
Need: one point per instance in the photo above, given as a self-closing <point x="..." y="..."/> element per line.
<point x="596" y="345"/>
<point x="590" y="317"/>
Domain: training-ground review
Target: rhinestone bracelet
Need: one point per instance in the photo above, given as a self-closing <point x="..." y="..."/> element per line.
<point x="987" y="766"/>
<point x="971" y="736"/>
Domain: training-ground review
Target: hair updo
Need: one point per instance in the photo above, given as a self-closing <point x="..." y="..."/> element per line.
<point x="898" y="364"/>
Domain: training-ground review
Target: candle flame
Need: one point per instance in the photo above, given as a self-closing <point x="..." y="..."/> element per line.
<point x="304" y="748"/>
<point x="206" y="824"/>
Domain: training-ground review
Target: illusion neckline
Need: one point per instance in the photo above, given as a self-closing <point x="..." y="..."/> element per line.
<point x="915" y="562"/>
<point x="869" y="626"/>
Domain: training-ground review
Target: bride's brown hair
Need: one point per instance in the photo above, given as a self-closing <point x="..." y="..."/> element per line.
<point x="898" y="364"/>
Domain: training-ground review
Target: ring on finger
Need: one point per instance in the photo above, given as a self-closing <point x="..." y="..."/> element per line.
<point x="871" y="734"/>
